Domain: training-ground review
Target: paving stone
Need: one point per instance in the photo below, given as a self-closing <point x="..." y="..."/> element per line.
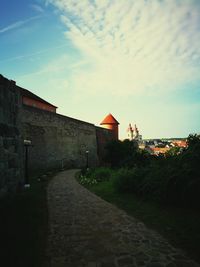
<point x="125" y="261"/>
<point x="58" y="261"/>
<point x="184" y="264"/>
<point x="155" y="264"/>
<point x="86" y="231"/>
<point x="141" y="256"/>
<point x="91" y="264"/>
<point x="108" y="264"/>
<point x="171" y="265"/>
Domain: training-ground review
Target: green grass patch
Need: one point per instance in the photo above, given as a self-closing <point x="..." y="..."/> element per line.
<point x="23" y="226"/>
<point x="179" y="225"/>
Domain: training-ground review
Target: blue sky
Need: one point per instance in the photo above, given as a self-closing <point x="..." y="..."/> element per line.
<point x="136" y="59"/>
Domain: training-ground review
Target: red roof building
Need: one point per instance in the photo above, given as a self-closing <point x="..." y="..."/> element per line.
<point x="109" y="122"/>
<point x="30" y="99"/>
<point x="180" y="143"/>
<point x="160" y="150"/>
<point x="109" y="119"/>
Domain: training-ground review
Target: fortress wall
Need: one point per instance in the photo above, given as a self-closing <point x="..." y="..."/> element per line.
<point x="11" y="145"/>
<point x="103" y="137"/>
<point x="55" y="138"/>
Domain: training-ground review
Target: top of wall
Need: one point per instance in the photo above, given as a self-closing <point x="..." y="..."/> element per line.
<point x="52" y="114"/>
<point x="24" y="92"/>
<point x="8" y="102"/>
<point x="4" y="80"/>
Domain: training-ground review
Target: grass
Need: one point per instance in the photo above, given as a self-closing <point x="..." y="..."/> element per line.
<point x="180" y="226"/>
<point x="23" y="226"/>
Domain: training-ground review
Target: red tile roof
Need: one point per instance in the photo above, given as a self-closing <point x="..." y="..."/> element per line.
<point x="27" y="93"/>
<point x="180" y="143"/>
<point x="161" y="150"/>
<point x="109" y="119"/>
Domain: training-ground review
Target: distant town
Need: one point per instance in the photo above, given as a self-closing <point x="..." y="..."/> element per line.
<point x="155" y="146"/>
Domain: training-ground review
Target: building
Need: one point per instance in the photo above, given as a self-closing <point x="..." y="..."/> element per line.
<point x="109" y="122"/>
<point x="133" y="133"/>
<point x="32" y="100"/>
<point x="56" y="140"/>
<point x="162" y="146"/>
<point x="160" y="150"/>
<point x="180" y="143"/>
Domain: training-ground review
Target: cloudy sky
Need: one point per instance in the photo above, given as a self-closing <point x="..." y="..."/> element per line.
<point x="136" y="59"/>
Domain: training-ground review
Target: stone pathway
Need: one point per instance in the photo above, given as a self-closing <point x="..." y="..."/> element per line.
<point x="86" y="231"/>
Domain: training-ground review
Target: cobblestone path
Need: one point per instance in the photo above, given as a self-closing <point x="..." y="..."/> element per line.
<point x="86" y="231"/>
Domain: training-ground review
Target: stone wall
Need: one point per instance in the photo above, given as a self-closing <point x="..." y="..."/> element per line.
<point x="11" y="147"/>
<point x="57" y="140"/>
<point x="103" y="137"/>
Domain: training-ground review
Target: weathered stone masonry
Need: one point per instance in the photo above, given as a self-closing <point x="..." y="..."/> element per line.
<point x="56" y="141"/>
<point x="11" y="154"/>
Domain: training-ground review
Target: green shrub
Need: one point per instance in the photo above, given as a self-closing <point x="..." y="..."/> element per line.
<point x="86" y="180"/>
<point x="126" y="180"/>
<point x="174" y="179"/>
<point x="125" y="154"/>
<point x="95" y="176"/>
<point x="102" y="174"/>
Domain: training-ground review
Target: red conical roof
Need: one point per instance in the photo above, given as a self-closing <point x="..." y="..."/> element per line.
<point x="109" y="119"/>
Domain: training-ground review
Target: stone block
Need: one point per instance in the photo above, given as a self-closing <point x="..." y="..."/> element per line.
<point x="11" y="149"/>
<point x="8" y="142"/>
<point x="125" y="261"/>
<point x="1" y="141"/>
<point x="13" y="162"/>
<point x="2" y="154"/>
<point x="2" y="176"/>
<point x="3" y="191"/>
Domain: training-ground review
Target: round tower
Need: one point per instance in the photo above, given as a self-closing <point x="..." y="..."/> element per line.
<point x="111" y="123"/>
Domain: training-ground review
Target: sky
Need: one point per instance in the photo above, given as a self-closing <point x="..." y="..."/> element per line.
<point x="136" y="59"/>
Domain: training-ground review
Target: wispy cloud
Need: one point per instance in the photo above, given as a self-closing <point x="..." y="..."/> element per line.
<point x="52" y="77"/>
<point x="18" y="24"/>
<point x="37" y="8"/>
<point x="61" y="66"/>
<point x="33" y="54"/>
<point x="134" y="45"/>
<point x="54" y="66"/>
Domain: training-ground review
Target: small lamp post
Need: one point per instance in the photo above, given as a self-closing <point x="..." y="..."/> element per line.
<point x="87" y="159"/>
<point x="27" y="144"/>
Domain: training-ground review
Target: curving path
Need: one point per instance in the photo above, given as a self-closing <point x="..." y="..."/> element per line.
<point x="86" y="231"/>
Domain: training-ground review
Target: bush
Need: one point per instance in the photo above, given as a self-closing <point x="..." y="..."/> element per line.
<point x="102" y="174"/>
<point x="127" y="180"/>
<point x="95" y="176"/>
<point x="125" y="154"/>
<point x="174" y="179"/>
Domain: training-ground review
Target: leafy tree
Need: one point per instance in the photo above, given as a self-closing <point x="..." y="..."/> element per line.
<point x="173" y="180"/>
<point x="124" y="154"/>
<point x="174" y="151"/>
